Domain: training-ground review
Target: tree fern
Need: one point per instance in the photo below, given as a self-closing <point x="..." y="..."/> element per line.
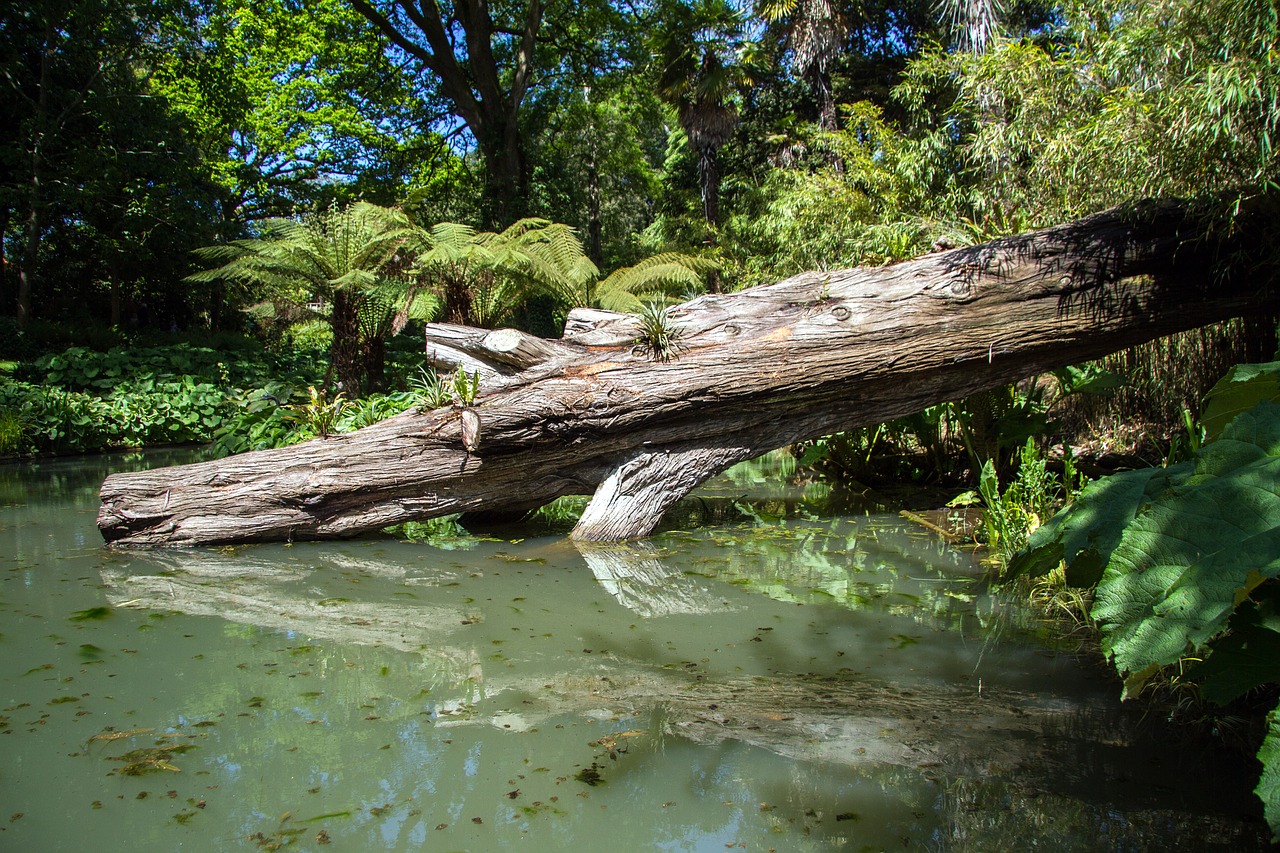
<point x="340" y="255"/>
<point x="665" y="274"/>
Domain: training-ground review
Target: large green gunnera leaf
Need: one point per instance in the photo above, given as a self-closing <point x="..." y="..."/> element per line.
<point x="1244" y="386"/>
<point x="1248" y="655"/>
<point x="1085" y="533"/>
<point x="1268" y="789"/>
<point x="1198" y="549"/>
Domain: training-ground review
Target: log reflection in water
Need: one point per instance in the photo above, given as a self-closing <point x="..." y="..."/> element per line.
<point x="264" y="592"/>
<point x="944" y="730"/>
<point x="634" y="575"/>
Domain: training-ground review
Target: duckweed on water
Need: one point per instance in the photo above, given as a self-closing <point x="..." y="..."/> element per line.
<point x="721" y="713"/>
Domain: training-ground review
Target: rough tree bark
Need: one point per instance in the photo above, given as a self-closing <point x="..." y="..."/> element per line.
<point x="759" y="369"/>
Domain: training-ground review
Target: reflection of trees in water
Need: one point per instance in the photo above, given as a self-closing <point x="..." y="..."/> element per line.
<point x="851" y="563"/>
<point x="990" y="751"/>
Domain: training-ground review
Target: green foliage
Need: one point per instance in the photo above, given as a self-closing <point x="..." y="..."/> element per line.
<point x="261" y="420"/>
<point x="287" y="101"/>
<point x="358" y="414"/>
<point x="702" y="56"/>
<point x="1188" y="558"/>
<point x="82" y="400"/>
<point x="1244" y="386"/>
<point x="1013" y="515"/>
<point x="483" y="278"/>
<point x="935" y="443"/>
<point x="269" y="417"/>
<point x="83" y="369"/>
<point x="429" y="391"/>
<point x="465" y="387"/>
<point x="1191" y="556"/>
<point x="1268" y="789"/>
<point x="139" y="413"/>
<point x="308" y="335"/>
<point x="343" y="257"/>
<point x="318" y="416"/>
<point x="659" y="337"/>
<point x="1138" y="100"/>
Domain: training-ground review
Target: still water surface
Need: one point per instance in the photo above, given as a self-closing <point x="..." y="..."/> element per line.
<point x="805" y="683"/>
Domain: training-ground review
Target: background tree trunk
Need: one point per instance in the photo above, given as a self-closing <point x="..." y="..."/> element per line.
<point x="761" y="369"/>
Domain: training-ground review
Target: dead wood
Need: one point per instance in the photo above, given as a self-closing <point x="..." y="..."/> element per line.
<point x="595" y="413"/>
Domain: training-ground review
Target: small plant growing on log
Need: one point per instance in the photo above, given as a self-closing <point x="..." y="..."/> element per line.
<point x="660" y="337"/>
<point x="465" y="387"/>
<point x="429" y="391"/>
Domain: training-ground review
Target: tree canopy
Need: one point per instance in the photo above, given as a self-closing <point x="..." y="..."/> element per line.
<point x="767" y="137"/>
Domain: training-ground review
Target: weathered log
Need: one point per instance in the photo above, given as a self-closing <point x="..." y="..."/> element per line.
<point x="500" y="352"/>
<point x="758" y="369"/>
<point x="595" y="328"/>
<point x="522" y="350"/>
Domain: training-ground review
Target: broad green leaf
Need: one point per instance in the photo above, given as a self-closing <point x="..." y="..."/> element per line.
<point x="1251" y="435"/>
<point x="1246" y="658"/>
<point x="1244" y="386"/>
<point x="1183" y="565"/>
<point x="1268" y="789"/>
<point x="1085" y="533"/>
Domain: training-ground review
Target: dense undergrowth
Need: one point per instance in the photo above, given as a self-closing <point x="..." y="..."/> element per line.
<point x="240" y="396"/>
<point x="1176" y="567"/>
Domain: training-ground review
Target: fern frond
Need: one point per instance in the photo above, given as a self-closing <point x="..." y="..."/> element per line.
<point x="667" y="273"/>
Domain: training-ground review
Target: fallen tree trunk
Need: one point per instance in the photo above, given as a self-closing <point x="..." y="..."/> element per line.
<point x="598" y="412"/>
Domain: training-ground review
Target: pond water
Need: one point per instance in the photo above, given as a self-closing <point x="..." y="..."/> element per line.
<point x="806" y="682"/>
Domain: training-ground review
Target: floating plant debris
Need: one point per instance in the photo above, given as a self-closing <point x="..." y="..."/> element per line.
<point x="90" y="613"/>
<point x="150" y="759"/>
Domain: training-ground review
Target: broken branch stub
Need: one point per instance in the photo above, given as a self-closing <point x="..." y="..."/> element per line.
<point x="759" y="369"/>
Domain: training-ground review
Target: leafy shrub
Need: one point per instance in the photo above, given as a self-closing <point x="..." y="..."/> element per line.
<point x="52" y="420"/>
<point x="1011" y="516"/>
<point x="42" y="419"/>
<point x="12" y="429"/>
<point x="260" y="419"/>
<point x="314" y="335"/>
<point x="1186" y="558"/>
<point x="378" y="407"/>
<point x="268" y="417"/>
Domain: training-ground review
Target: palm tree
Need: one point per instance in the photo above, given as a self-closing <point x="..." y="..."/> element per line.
<point x="814" y="31"/>
<point x="342" y="257"/>
<point x="975" y="23"/>
<point x="702" y="56"/>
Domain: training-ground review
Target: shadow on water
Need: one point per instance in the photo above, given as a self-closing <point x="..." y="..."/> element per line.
<point x="789" y="679"/>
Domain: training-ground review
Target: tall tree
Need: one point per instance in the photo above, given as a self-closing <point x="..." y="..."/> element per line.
<point x="65" y="66"/>
<point x="492" y="62"/>
<point x="484" y="68"/>
<point x="339" y="254"/>
<point x="814" y="32"/>
<point x="702" y="57"/>
<point x="290" y="100"/>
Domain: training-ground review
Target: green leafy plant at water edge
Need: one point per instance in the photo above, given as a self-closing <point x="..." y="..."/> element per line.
<point x="41" y="419"/>
<point x="1011" y="516"/>
<point x="1186" y="558"/>
<point x="12" y="431"/>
